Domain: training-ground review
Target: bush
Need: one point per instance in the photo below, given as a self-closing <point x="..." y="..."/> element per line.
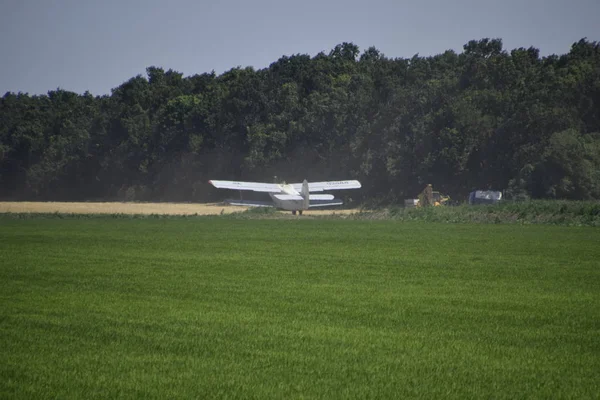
<point x="525" y="212"/>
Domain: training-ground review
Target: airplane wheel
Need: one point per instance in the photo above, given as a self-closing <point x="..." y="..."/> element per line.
<point x="300" y="212"/>
<point x="293" y="212"/>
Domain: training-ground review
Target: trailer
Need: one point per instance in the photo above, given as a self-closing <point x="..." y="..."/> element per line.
<point x="485" y="197"/>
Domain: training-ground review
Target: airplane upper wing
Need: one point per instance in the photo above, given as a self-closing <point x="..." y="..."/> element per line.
<point x="328" y="185"/>
<point x="254" y="186"/>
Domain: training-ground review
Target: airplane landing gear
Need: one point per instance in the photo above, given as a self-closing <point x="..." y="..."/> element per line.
<point x="294" y="212"/>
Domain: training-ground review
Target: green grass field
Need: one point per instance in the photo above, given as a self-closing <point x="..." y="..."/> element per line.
<point x="214" y="307"/>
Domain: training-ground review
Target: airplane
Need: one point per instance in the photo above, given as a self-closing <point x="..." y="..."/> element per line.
<point x="294" y="197"/>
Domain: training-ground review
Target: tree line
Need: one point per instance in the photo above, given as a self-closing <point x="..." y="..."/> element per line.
<point x="486" y="118"/>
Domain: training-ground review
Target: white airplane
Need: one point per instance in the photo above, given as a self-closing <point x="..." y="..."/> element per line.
<point x="292" y="197"/>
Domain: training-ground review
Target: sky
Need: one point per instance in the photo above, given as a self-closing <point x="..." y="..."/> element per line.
<point x="96" y="45"/>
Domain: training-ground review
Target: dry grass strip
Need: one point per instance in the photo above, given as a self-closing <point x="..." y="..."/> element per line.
<point x="134" y="208"/>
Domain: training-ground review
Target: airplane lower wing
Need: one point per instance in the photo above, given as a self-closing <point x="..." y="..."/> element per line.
<point x="254" y="186"/>
<point x="325" y="203"/>
<point x="249" y="203"/>
<point x="328" y="185"/>
<point x="320" y="197"/>
<point x="252" y="203"/>
<point x="288" y="197"/>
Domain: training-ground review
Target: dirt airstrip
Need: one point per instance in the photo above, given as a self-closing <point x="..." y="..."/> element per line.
<point x="136" y="208"/>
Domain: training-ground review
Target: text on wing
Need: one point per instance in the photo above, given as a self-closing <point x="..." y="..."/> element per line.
<point x="338" y="183"/>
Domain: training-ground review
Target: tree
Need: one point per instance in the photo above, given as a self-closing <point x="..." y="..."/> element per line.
<point x="482" y="118"/>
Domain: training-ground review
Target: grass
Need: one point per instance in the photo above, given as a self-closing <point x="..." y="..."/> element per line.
<point x="552" y="212"/>
<point x="215" y="307"/>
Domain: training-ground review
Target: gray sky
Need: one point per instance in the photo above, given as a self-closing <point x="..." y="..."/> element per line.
<point x="96" y="45"/>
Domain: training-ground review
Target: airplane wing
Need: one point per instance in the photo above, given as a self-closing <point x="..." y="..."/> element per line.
<point x="248" y="203"/>
<point x="288" y="197"/>
<point x="254" y="186"/>
<point x="325" y="203"/>
<point x="328" y="185"/>
<point x="320" y="197"/>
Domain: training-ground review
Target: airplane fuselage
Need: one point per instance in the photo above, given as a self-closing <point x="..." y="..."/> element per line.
<point x="291" y="200"/>
<point x="289" y="205"/>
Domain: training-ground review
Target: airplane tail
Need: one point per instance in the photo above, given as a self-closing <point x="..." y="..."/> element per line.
<point x="306" y="195"/>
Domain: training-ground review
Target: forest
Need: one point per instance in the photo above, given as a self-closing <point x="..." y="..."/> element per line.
<point x="485" y="118"/>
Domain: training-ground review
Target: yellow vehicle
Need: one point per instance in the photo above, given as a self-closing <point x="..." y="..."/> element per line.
<point x="440" y="199"/>
<point x="429" y="197"/>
